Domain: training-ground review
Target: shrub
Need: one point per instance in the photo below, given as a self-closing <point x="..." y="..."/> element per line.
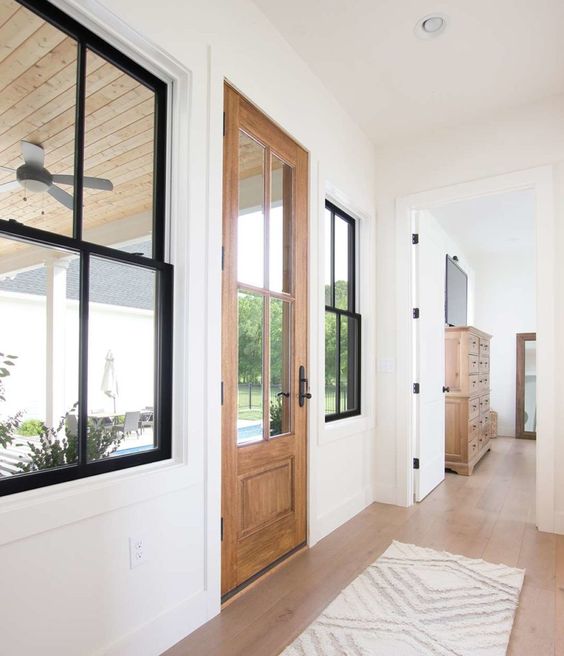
<point x="30" y="427"/>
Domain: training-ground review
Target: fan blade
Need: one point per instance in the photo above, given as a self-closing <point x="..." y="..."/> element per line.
<point x="10" y="186"/>
<point x="62" y="196"/>
<point x="33" y="154"/>
<point x="91" y="183"/>
<point x="98" y="183"/>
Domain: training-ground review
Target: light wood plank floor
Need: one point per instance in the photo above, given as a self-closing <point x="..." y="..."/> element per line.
<point x="489" y="515"/>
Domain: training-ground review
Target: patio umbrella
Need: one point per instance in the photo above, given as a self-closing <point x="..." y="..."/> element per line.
<point x="109" y="380"/>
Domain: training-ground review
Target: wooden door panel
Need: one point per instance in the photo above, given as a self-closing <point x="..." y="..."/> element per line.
<point x="264" y="438"/>
<point x="266" y="495"/>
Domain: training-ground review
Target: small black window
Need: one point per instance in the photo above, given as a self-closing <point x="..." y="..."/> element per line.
<point x="342" y="322"/>
<point x="85" y="290"/>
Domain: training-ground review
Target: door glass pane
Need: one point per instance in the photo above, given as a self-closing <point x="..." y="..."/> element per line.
<point x="250" y="374"/>
<point x="330" y="363"/>
<point x="121" y="359"/>
<point x="349" y="363"/>
<point x="280" y="331"/>
<point x="530" y="386"/>
<point x="38" y="359"/>
<point x="250" y="225"/>
<point x="118" y="157"/>
<point x="37" y="121"/>
<point x="341" y="264"/>
<point x="328" y="256"/>
<point x="280" y="245"/>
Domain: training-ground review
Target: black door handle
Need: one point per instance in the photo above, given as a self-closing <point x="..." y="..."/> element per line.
<point x="446" y="389"/>
<point x="304" y="387"/>
<point x="284" y="394"/>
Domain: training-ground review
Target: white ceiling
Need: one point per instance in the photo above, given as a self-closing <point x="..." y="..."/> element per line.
<point x="492" y="225"/>
<point x="494" y="54"/>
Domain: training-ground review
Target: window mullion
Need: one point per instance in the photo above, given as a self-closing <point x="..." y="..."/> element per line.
<point x="338" y="363"/>
<point x="79" y="140"/>
<point x="333" y="295"/>
<point x="83" y="357"/>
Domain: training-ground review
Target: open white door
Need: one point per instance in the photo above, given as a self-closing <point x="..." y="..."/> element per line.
<point x="429" y="410"/>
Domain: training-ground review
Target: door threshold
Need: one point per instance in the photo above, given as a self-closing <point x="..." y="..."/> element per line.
<point x="237" y="592"/>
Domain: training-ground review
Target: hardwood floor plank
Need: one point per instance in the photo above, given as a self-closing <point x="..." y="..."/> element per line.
<point x="489" y="515"/>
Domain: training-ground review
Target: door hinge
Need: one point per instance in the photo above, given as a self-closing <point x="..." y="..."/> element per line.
<point x="221" y="529"/>
<point x="221" y="392"/>
<point x="223" y="123"/>
<point x="223" y="258"/>
<point x="415" y="465"/>
<point x="415" y="238"/>
<point x="416" y="313"/>
<point x="416" y="388"/>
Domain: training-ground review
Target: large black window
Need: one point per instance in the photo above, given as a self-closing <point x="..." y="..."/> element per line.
<point x="342" y="322"/>
<point x="85" y="291"/>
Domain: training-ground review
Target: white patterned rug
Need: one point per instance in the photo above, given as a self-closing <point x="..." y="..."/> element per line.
<point x="416" y="602"/>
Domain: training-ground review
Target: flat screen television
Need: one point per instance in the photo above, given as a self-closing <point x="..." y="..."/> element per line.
<point x="456" y="294"/>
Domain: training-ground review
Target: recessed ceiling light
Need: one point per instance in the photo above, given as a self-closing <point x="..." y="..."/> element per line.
<point x="430" y="26"/>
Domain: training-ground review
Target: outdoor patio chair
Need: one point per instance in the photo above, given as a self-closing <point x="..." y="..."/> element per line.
<point x="146" y="418"/>
<point x="130" y="424"/>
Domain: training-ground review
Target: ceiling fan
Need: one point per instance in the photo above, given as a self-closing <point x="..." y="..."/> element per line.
<point x="33" y="176"/>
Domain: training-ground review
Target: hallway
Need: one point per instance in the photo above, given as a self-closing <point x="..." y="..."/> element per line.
<point x="498" y="526"/>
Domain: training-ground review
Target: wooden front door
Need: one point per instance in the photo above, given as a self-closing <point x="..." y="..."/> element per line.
<point x="264" y="420"/>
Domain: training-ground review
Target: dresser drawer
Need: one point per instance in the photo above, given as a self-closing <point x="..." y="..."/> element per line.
<point x="484" y="364"/>
<point x="473" y="364"/>
<point x="474" y="428"/>
<point x="473" y="344"/>
<point x="473" y="448"/>
<point x="484" y="347"/>
<point x="474" y="383"/>
<point x="473" y="408"/>
<point x="484" y="382"/>
<point x="485" y="418"/>
<point x="484" y="403"/>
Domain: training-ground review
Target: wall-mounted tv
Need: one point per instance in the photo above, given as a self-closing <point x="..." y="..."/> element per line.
<point x="456" y="294"/>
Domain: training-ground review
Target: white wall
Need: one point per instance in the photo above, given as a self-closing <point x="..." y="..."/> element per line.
<point x="506" y="305"/>
<point x="64" y="550"/>
<point x="526" y="137"/>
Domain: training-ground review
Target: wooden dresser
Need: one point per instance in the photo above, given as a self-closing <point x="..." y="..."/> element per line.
<point x="467" y="421"/>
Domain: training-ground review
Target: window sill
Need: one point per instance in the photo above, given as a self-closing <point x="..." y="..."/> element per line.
<point x="35" y="511"/>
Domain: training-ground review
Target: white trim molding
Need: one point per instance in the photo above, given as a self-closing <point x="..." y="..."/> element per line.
<point x="540" y="180"/>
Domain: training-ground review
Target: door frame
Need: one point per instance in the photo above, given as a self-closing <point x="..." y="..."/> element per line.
<point x="520" y="431"/>
<point x="540" y="180"/>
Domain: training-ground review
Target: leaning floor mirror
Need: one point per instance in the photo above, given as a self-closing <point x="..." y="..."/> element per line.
<point x="526" y="386"/>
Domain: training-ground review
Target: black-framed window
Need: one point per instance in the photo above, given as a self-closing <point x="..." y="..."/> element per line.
<point x="342" y="322"/>
<point x="85" y="291"/>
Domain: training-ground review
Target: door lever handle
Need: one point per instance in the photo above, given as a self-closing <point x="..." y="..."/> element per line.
<point x="284" y="394"/>
<point x="304" y="387"/>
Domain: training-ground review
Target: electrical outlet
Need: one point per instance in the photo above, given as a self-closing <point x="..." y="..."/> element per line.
<point x="137" y="552"/>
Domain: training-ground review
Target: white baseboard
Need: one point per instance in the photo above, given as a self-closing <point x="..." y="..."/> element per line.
<point x="336" y="517"/>
<point x="386" y="494"/>
<point x="162" y="632"/>
<point x="559" y="523"/>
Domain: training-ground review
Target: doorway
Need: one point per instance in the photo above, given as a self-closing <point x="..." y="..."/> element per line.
<point x="540" y="182"/>
<point x="264" y="344"/>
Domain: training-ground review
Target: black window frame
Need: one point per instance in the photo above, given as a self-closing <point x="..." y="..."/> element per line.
<point x="354" y="354"/>
<point x="87" y="40"/>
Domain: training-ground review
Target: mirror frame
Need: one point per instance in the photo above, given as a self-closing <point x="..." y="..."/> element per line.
<point x="520" y="431"/>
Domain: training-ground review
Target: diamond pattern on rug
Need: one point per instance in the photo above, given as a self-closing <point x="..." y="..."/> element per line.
<point x="414" y="601"/>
